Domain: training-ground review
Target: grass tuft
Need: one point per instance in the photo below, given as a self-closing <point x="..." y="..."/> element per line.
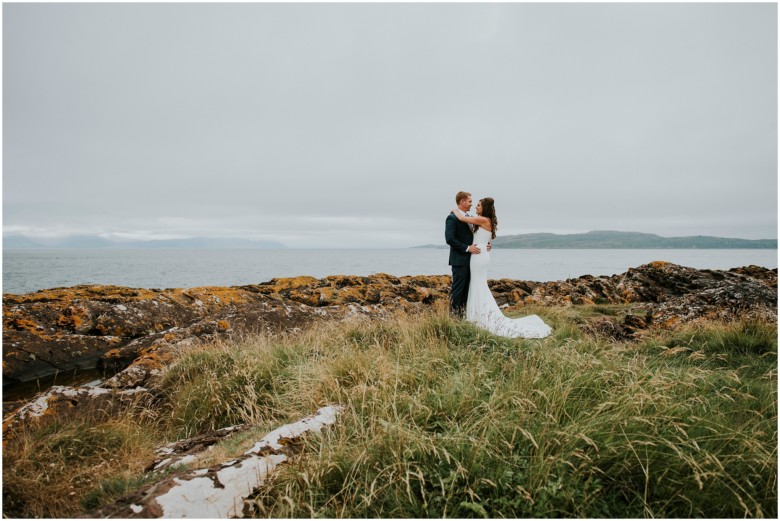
<point x="48" y="469"/>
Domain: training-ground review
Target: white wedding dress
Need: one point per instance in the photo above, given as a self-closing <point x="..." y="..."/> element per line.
<point x="481" y="306"/>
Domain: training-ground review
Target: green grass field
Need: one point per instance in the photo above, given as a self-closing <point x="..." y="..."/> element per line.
<point x="444" y="420"/>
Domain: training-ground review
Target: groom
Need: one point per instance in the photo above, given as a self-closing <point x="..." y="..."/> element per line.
<point x="459" y="236"/>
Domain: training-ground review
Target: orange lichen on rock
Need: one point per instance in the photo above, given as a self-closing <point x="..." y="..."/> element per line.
<point x="75" y="318"/>
<point x="671" y="322"/>
<point x="114" y="353"/>
<point x="170" y="337"/>
<point x="86" y="292"/>
<point x="70" y="321"/>
<point x="154" y="360"/>
<point x="218" y="295"/>
<point x="305" y="297"/>
<point x="22" y="324"/>
<point x="342" y="281"/>
<point x="352" y="294"/>
<point x="281" y="284"/>
<point x="327" y="296"/>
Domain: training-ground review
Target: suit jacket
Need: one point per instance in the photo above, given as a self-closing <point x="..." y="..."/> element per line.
<point x="458" y="235"/>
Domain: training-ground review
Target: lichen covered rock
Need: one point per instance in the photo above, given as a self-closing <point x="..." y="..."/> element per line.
<point x="136" y="331"/>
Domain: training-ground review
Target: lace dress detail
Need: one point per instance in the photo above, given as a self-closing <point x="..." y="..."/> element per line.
<point x="481" y="307"/>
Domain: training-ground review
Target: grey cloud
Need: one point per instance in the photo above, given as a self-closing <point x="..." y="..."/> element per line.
<point x="230" y="118"/>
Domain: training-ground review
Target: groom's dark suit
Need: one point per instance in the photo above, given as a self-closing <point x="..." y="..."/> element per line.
<point x="458" y="235"/>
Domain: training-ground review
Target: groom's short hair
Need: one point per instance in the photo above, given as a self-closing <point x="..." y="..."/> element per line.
<point x="461" y="196"/>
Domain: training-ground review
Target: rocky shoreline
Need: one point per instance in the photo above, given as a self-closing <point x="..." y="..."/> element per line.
<point x="133" y="333"/>
<point x="137" y="333"/>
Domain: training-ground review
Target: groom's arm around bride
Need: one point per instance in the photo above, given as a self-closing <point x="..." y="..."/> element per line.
<point x="459" y="237"/>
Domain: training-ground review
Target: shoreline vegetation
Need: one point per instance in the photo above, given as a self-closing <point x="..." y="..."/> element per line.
<point x="442" y="419"/>
<point x="655" y="396"/>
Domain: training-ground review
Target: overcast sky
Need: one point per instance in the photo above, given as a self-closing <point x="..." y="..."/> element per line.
<point x="354" y="125"/>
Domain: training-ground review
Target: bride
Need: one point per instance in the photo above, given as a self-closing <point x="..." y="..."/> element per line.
<point x="481" y="307"/>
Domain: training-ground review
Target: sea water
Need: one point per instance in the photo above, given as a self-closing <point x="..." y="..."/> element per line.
<point x="25" y="271"/>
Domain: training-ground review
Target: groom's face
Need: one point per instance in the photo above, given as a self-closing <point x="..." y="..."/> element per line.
<point x="465" y="204"/>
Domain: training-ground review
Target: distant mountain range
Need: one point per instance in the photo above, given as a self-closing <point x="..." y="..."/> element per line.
<point x="21" y="242"/>
<point x="622" y="240"/>
<point x="589" y="240"/>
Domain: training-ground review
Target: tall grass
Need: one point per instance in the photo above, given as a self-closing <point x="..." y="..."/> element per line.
<point x="445" y="420"/>
<point x="48" y="469"/>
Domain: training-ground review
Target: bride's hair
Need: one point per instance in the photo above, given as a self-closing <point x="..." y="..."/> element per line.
<point x="489" y="211"/>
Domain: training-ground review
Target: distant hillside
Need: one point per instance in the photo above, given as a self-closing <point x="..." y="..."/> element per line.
<point x="206" y="243"/>
<point x="19" y="242"/>
<point x="623" y="240"/>
<point x="14" y="242"/>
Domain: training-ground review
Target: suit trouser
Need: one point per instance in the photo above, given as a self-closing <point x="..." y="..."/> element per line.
<point x="461" y="276"/>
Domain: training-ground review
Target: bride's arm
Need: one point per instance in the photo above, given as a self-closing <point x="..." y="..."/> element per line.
<point x="471" y="220"/>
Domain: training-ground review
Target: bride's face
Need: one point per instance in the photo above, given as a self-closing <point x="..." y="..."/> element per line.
<point x="479" y="208"/>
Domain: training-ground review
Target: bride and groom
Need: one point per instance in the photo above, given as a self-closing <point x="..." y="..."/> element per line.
<point x="470" y="240"/>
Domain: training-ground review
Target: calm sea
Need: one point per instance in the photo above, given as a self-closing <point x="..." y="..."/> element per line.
<point x="30" y="270"/>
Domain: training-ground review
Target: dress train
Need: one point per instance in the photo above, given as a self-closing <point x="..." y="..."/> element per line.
<point x="481" y="306"/>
